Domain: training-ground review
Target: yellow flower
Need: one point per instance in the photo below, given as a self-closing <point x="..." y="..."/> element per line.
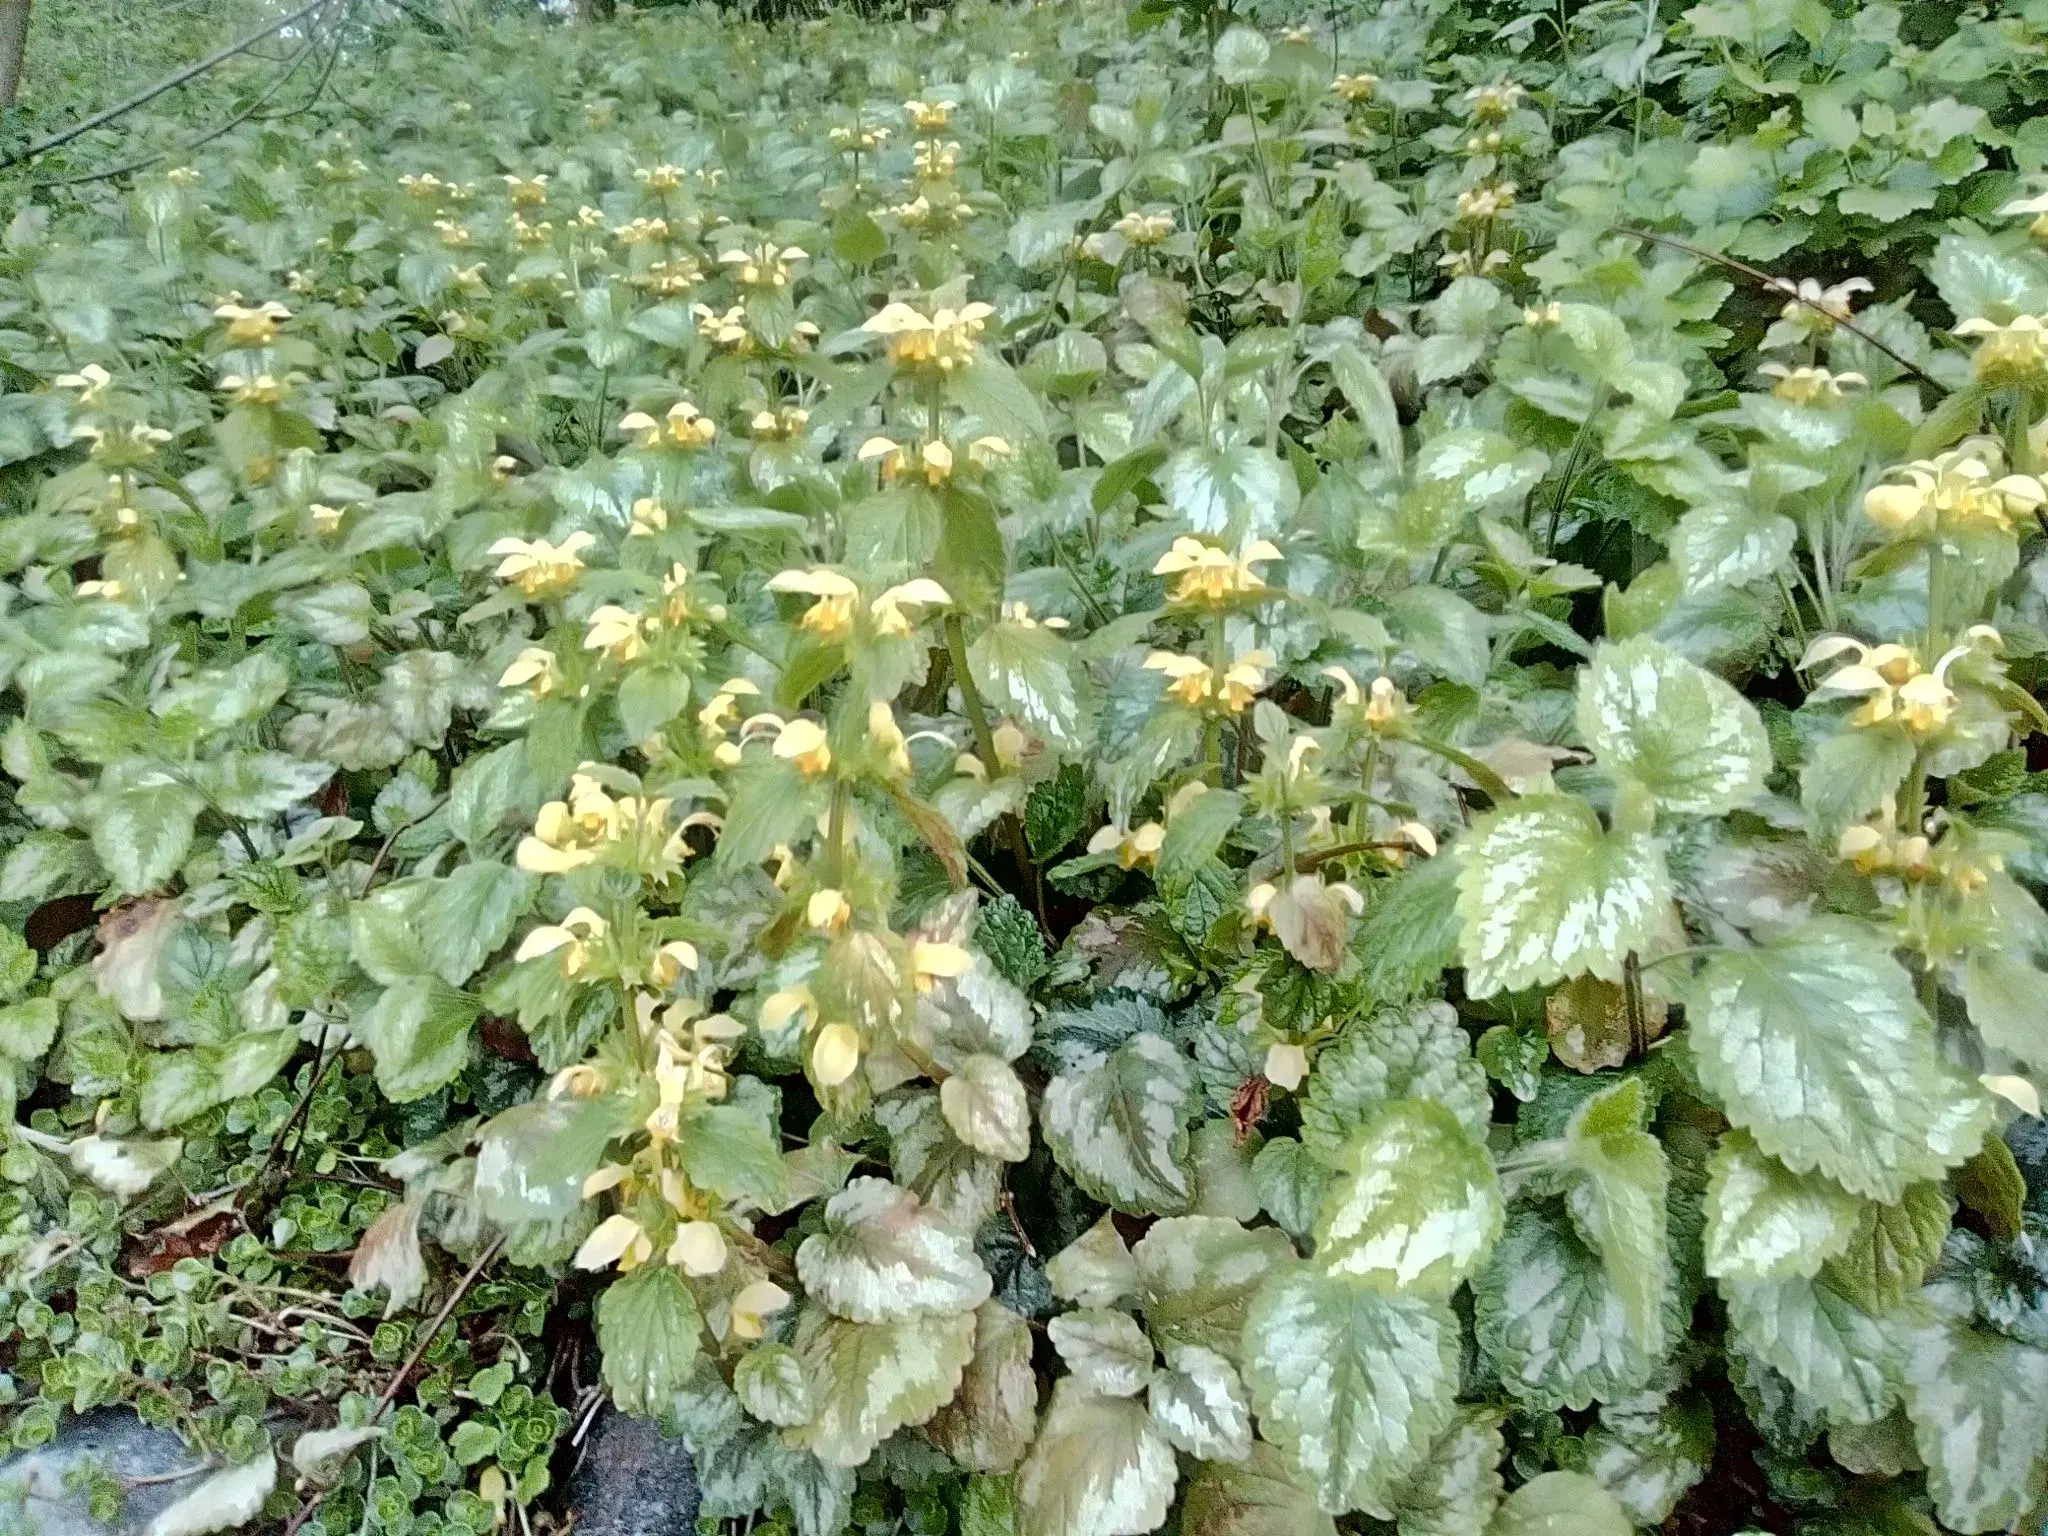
<point x="534" y="668"/>
<point x="1286" y="1065"/>
<point x="828" y="911"/>
<point x="649" y="518"/>
<point x="699" y="1248"/>
<point x="326" y="519"/>
<point x="91" y="382"/>
<point x="887" y="610"/>
<point x="424" y="186"/>
<point x="1245" y="677"/>
<point x="858" y="138"/>
<point x="1132" y="848"/>
<point x="1481" y="203"/>
<point x="835" y="1054"/>
<point x="1547" y="317"/>
<point x="2013" y="353"/>
<point x="728" y="330"/>
<point x="252" y="327"/>
<point x="616" y="632"/>
<point x="528" y="192"/>
<point x="1210" y="576"/>
<point x="618" y="1239"/>
<point x="765" y="266"/>
<point x="1387" y="704"/>
<point x="682" y="427"/>
<point x="1190" y="679"/>
<point x="754" y="1305"/>
<point x="932" y="962"/>
<point x="934" y="161"/>
<point x="562" y="839"/>
<point x="641" y="231"/>
<point x="454" y="234"/>
<point x="942" y="341"/>
<point x="263" y="389"/>
<point x="802" y="742"/>
<point x="1814" y="310"/>
<point x="2037" y="206"/>
<point x="1891" y="681"/>
<point x="540" y="569"/>
<point x="671" y="960"/>
<point x="779" y="425"/>
<point x="830" y="618"/>
<point x="1954" y="489"/>
<point x="883" y="732"/>
<point x="182" y="176"/>
<point x="1355" y="88"/>
<point x="930" y="116"/>
<point x="1810" y="386"/>
<point x="1491" y="103"/>
<point x="573" y="937"/>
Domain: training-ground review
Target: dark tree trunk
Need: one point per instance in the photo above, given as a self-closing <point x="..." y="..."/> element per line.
<point x="13" y="44"/>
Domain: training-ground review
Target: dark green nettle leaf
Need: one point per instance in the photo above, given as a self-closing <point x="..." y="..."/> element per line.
<point x="1418" y="1205"/>
<point x="1355" y="1384"/>
<point x="1891" y="1248"/>
<point x="868" y="1380"/>
<point x="1418" y="1052"/>
<point x="1647" y="1452"/>
<point x="648" y="1329"/>
<point x="1290" y="1181"/>
<point x="1119" y="1126"/>
<point x="1545" y="892"/>
<point x="1816" y="1045"/>
<point x="1561" y="1504"/>
<point x="1551" y="1321"/>
<point x="883" y="1257"/>
<point x="1673" y="727"/>
<point x="1979" y="1405"/>
<point x="1100" y="1467"/>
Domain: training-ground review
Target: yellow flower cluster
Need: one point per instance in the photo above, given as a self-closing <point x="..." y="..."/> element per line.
<point x="1145" y="230"/>
<point x="943" y="340"/>
<point x="1489" y="201"/>
<point x="1810" y="386"/>
<point x="255" y="327"/>
<point x="1954" y="490"/>
<point x="1492" y="103"/>
<point x="766" y="266"/>
<point x="540" y="569"/>
<point x="1211" y="577"/>
<point x="1193" y="682"/>
<point x="528" y="191"/>
<point x="682" y="427"/>
<point x="575" y="833"/>
<point x="934" y="460"/>
<point x="2013" y="353"/>
<point x="1891" y="681"/>
<point x="1355" y="88"/>
<point x="930" y="116"/>
<point x="830" y="618"/>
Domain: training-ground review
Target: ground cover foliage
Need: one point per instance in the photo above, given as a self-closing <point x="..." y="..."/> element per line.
<point x="1063" y="770"/>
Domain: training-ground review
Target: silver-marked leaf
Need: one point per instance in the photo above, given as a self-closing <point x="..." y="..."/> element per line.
<point x="1458" y="1487"/>
<point x="1546" y="892"/>
<point x="1418" y="1206"/>
<point x="988" y="1425"/>
<point x="1647" y="1452"/>
<point x="869" y="1380"/>
<point x="987" y="1108"/>
<point x="1095" y="1269"/>
<point x="1979" y="1405"/>
<point x="1728" y="543"/>
<point x="1356" y="1384"/>
<point x="1832" y="1350"/>
<point x="958" y="1185"/>
<point x="1417" y="1052"/>
<point x="1104" y="1350"/>
<point x="1199" y="1404"/>
<point x="1263" y="1495"/>
<point x="1119" y="1126"/>
<point x="770" y="1382"/>
<point x="1197" y="1276"/>
<point x="1617" y="1201"/>
<point x="1765" y="1221"/>
<point x="1817" y="1046"/>
<point x="1561" y="1504"/>
<point x="882" y="1256"/>
<point x="1673" y="727"/>
<point x="1100" y="1467"/>
<point x="1550" y="1320"/>
<point x="1243" y="492"/>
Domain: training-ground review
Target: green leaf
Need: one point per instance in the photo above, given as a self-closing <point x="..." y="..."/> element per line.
<point x="1979" y="1405"/>
<point x="418" y="1031"/>
<point x="1197" y="1276"/>
<point x="1027" y="671"/>
<point x="1546" y="892"/>
<point x="1891" y="1247"/>
<point x="1816" y="1045"/>
<point x="881" y="1258"/>
<point x="1728" y="543"/>
<point x="731" y="1153"/>
<point x="28" y="1027"/>
<point x="472" y="1441"/>
<point x="989" y="1425"/>
<point x="1417" y="1207"/>
<point x="1055" y="811"/>
<point x="1417" y="1052"/>
<point x="1411" y="935"/>
<point x="472" y="913"/>
<point x="1821" y="1341"/>
<point x="1354" y="1383"/>
<point x="1291" y="1182"/>
<point x="253" y="785"/>
<point x="1978" y="278"/>
<point x="1648" y="1452"/>
<point x="1458" y="1487"/>
<point x="1673" y="727"/>
<point x="988" y="387"/>
<point x="180" y="1084"/>
<point x="1100" y="1467"/>
<point x="1199" y="1403"/>
<point x="1551" y="1321"/>
<point x="1446" y="633"/>
<point x="1196" y="831"/>
<point x="1366" y="391"/>
<point x="142" y="818"/>
<point x="1119" y="1126"/>
<point x="1618" y="1203"/>
<point x="770" y="1381"/>
<point x="868" y="1380"/>
<point x="1262" y="1495"/>
<point x="1561" y="1504"/>
<point x="648" y="1333"/>
<point x="1852" y="773"/>
<point x="1231" y="493"/>
<point x="1765" y="1222"/>
<point x="985" y="1104"/>
<point x="1105" y="1351"/>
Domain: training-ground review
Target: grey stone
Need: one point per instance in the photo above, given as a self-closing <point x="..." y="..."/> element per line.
<point x="42" y="1492"/>
<point x="630" y="1480"/>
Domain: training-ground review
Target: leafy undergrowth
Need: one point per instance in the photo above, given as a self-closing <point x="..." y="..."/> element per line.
<point x="1062" y="770"/>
